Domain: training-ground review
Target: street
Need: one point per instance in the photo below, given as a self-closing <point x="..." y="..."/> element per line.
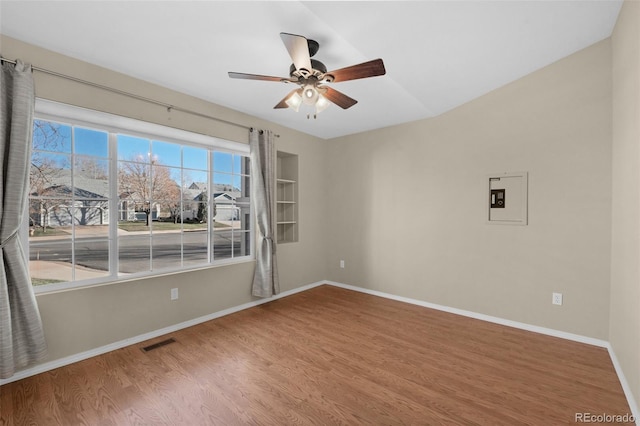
<point x="135" y="250"/>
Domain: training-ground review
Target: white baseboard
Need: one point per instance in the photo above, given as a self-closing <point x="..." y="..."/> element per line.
<point x="47" y="366"/>
<point x="625" y="384"/>
<point x="520" y="325"/>
<point x="483" y="317"/>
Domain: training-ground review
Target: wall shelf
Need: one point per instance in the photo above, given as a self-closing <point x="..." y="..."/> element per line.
<point x="286" y="197"/>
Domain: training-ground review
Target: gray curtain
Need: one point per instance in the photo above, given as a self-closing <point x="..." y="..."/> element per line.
<point x="265" y="280"/>
<point x="21" y="336"/>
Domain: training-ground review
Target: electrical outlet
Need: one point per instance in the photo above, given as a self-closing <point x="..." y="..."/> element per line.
<point x="174" y="294"/>
<point x="342" y="264"/>
<point x="556" y="298"/>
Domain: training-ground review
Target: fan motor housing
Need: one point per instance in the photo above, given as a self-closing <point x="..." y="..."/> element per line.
<point x="313" y="47"/>
<point x="316" y="65"/>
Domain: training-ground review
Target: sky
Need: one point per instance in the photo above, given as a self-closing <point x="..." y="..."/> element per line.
<point x="95" y="143"/>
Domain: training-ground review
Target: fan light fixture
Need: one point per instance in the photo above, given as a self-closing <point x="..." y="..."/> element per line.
<point x="294" y="101"/>
<point x="310" y="94"/>
<point x="312" y="77"/>
<point x="322" y="104"/>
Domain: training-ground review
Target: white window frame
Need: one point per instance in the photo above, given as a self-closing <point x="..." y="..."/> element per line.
<point x="115" y="124"/>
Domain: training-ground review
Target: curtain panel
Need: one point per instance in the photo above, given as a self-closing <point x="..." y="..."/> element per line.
<point x="22" y="340"/>
<point x="262" y="153"/>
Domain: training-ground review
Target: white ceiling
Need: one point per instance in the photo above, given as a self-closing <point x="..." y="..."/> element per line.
<point x="438" y="54"/>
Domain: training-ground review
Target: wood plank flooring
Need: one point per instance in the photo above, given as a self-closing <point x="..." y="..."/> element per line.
<point x="328" y="356"/>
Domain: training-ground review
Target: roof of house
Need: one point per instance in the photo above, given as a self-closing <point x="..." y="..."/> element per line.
<point x="98" y="188"/>
<point x="60" y="183"/>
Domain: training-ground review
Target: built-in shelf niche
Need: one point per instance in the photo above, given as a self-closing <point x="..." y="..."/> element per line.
<point x="287" y="197"/>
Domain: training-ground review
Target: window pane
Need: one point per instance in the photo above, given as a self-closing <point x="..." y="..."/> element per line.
<point x="195" y="247"/>
<point x="50" y="214"/>
<point x="166" y="215"/>
<point x="91" y="142"/>
<point x="195" y="215"/>
<point x="91" y="258"/>
<point x="50" y="259"/>
<point x="235" y="219"/>
<point x="236" y="184"/>
<point x="134" y="182"/>
<point x="51" y="160"/>
<point x="91" y="219"/>
<point x="237" y="161"/>
<point x="47" y="214"/>
<point x="50" y="136"/>
<point x="165" y="182"/>
<point x="222" y="162"/>
<point x="188" y="212"/>
<point x="50" y="174"/>
<point x="224" y="208"/>
<point x="195" y="180"/>
<point x="134" y="254"/>
<point x="91" y="176"/>
<point x="133" y="149"/>
<point x="166" y="153"/>
<point x="244" y="216"/>
<point x="195" y="158"/>
<point x="241" y="244"/>
<point x="91" y="204"/>
<point x="167" y="250"/>
<point x="222" y="243"/>
<point x="222" y="182"/>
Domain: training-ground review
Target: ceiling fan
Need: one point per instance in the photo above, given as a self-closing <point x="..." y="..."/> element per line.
<point x="311" y="75"/>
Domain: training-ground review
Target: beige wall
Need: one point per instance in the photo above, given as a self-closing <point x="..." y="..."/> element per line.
<point x="405" y="206"/>
<point x="408" y="213"/>
<point x="85" y="319"/>
<point x="624" y="330"/>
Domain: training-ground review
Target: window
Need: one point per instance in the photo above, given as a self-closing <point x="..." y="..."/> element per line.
<point x="112" y="197"/>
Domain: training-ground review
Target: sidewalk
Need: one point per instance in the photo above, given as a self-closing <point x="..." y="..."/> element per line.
<point x="61" y="271"/>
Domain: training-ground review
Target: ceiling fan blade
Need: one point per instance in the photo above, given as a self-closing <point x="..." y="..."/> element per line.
<point x="283" y="102"/>
<point x="260" y="77"/>
<point x="338" y="98"/>
<point x="354" y="72"/>
<point x="298" y="49"/>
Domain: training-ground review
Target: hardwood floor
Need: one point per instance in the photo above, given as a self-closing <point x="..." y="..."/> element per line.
<point x="328" y="356"/>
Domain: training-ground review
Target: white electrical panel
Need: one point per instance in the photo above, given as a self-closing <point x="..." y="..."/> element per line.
<point x="507" y="198"/>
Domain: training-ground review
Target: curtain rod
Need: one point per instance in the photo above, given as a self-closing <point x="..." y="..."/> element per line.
<point x="169" y="107"/>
